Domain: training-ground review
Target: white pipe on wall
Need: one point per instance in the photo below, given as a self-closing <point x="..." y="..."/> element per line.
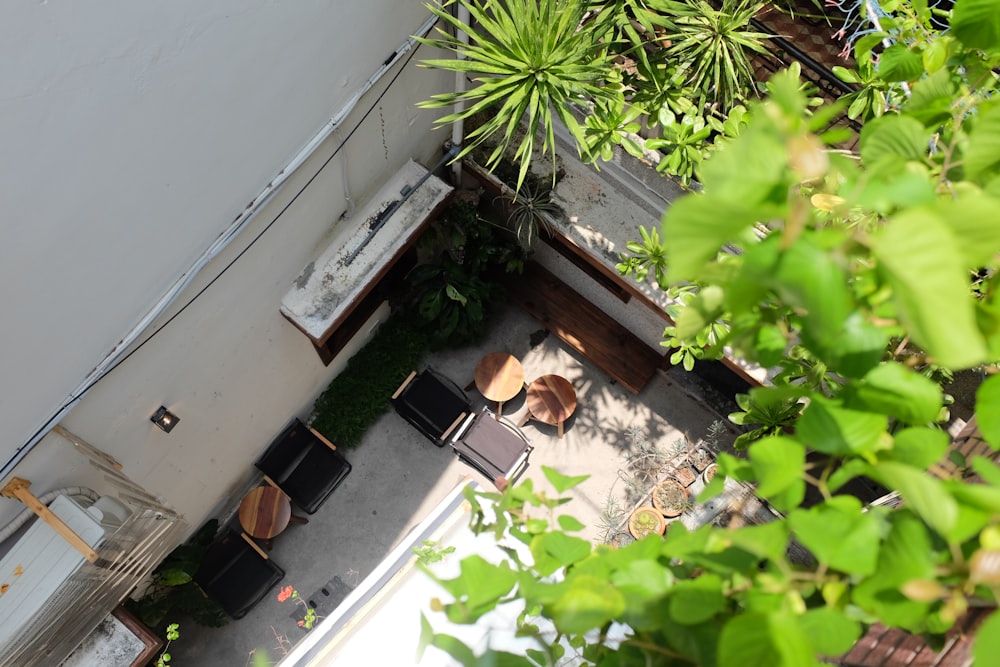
<point x="231" y="232"/>
<point x="458" y="127"/>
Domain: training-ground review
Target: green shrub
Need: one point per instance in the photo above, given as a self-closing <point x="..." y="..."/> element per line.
<point x="171" y="589"/>
<point x="454" y="291"/>
<point x="357" y="397"/>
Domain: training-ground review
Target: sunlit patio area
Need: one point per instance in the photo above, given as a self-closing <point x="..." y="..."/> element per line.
<point x="399" y="476"/>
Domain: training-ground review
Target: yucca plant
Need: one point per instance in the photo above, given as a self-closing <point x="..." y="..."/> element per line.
<point x="713" y="47"/>
<point x="531" y="61"/>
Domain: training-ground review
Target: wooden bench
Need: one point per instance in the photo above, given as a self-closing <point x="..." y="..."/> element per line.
<point x="585" y="327"/>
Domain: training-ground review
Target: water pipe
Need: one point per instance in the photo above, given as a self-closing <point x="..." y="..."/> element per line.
<point x="458" y="127"/>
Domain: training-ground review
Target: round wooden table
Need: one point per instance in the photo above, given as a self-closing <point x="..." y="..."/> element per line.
<point x="499" y="377"/>
<point x="551" y="400"/>
<point x="265" y="512"/>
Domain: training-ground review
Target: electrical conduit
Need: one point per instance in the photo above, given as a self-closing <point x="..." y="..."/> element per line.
<point x="227" y="236"/>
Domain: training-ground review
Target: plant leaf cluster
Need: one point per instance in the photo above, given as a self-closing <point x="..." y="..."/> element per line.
<point x="857" y="317"/>
<point x="172" y="590"/>
<point x="359" y="395"/>
<point x="602" y="69"/>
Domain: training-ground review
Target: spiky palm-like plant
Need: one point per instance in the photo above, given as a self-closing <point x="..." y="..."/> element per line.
<point x="530" y="211"/>
<point x="531" y="61"/>
<point x="714" y="47"/>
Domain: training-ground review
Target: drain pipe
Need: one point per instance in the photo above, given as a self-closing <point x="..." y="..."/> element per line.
<point x="458" y="127"/>
<point x="231" y="232"/>
<point x="346" y="181"/>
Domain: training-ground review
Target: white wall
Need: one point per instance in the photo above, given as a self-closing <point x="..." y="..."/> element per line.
<point x="133" y="133"/>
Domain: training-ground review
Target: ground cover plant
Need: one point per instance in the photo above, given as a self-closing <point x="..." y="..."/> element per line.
<point x="359" y="395"/>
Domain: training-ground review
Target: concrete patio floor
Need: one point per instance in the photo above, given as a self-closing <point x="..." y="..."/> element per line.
<point x="398" y="477"/>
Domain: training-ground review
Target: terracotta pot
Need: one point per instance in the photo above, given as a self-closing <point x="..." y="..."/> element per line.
<point x="700" y="458"/>
<point x="670" y="497"/>
<point x="709" y="473"/>
<point x="645" y="521"/>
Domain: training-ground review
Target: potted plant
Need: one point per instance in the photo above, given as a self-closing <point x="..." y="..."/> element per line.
<point x="700" y="458"/>
<point x="645" y="521"/>
<point x="171" y="588"/>
<point x="708" y="474"/>
<point x="670" y="497"/>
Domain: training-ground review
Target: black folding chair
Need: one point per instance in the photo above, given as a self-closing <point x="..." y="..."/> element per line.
<point x="432" y="403"/>
<point x="496" y="448"/>
<point x="237" y="573"/>
<point x="305" y="465"/>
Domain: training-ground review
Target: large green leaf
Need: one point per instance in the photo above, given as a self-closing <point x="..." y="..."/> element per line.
<point x="986" y="645"/>
<point x="560" y="482"/>
<point x="556" y="550"/>
<point x="987" y="469"/>
<point x="640" y="579"/>
<point x="924" y="494"/>
<point x="977" y="506"/>
<point x="749" y="171"/>
<point x="696" y="600"/>
<point x="767" y="541"/>
<point x="695" y="227"/>
<point x="983" y="151"/>
<point x="810" y="281"/>
<point x="840" y="534"/>
<point x="892" y="185"/>
<point x="988" y="410"/>
<point x="769" y="345"/>
<point x="893" y="138"/>
<point x="829" y="428"/>
<point x="174" y="576"/>
<point x="586" y="604"/>
<point x="777" y="464"/>
<point x="745" y="291"/>
<point x="858" y="348"/>
<point x="920" y="257"/>
<point x="830" y="630"/>
<point x="977" y="23"/>
<point x="772" y="639"/>
<point x="480" y="584"/>
<point x="897" y="391"/>
<point x="701" y="311"/>
<point x="920" y="447"/>
<point x="931" y="98"/>
<point x="906" y="555"/>
<point x="971" y="216"/>
<point x="898" y="63"/>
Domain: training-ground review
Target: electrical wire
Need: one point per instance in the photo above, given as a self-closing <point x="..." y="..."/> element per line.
<point x="74" y="397"/>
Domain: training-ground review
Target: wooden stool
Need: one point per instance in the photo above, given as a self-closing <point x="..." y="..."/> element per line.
<point x="551" y="400"/>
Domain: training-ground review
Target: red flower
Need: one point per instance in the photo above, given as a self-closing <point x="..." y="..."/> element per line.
<point x="285" y="593"/>
<point x="302" y="624"/>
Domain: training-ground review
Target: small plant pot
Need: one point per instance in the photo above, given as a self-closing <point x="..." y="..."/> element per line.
<point x="670" y="497"/>
<point x="685" y="475"/>
<point x="622" y="539"/>
<point x="708" y="474"/>
<point x="645" y="521"/>
<point x="700" y="458"/>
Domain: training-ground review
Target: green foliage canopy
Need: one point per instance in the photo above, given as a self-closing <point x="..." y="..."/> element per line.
<point x="852" y="312"/>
